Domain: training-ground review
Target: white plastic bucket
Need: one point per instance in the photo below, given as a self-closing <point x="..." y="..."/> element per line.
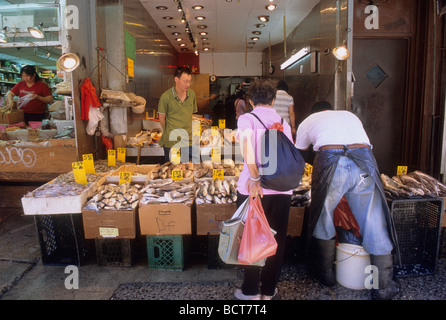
<point x="351" y="262"/>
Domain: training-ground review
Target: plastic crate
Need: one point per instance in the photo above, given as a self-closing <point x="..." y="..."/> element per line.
<point x="61" y="239"/>
<point x="165" y="252"/>
<point x="418" y="225"/>
<point x="114" y="252"/>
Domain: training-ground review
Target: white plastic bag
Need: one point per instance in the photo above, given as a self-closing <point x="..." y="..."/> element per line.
<point x="94" y="116"/>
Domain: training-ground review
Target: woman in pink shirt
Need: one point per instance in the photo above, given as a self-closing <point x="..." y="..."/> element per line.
<point x="260" y="283"/>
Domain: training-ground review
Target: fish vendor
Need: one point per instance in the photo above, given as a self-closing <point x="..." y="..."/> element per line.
<point x="344" y="165"/>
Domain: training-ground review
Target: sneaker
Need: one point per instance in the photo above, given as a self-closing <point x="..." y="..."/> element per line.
<point x="265" y="297"/>
<point x="238" y="294"/>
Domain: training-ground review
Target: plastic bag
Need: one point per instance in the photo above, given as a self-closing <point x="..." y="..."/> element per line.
<point x="94" y="116"/>
<point x="258" y="240"/>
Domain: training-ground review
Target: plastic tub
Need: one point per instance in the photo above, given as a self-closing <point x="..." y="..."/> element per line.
<point x="351" y="262"/>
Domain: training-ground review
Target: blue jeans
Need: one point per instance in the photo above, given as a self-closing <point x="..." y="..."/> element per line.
<point x="365" y="203"/>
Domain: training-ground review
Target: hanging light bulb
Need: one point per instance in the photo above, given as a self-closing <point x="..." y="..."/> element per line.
<point x="36" y="32"/>
<point x="341" y="53"/>
<point x="3" y="38"/>
<point x="68" y="62"/>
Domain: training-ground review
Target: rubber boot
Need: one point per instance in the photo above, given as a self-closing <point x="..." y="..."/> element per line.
<point x="322" y="261"/>
<point x="387" y="287"/>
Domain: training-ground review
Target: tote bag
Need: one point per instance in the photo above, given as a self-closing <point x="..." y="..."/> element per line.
<point x="231" y="236"/>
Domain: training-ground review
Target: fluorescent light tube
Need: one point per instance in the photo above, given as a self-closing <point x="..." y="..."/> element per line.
<point x="295" y="57"/>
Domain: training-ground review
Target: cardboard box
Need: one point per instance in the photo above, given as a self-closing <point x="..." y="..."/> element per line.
<point x="161" y="219"/>
<point x="118" y="224"/>
<point x="15" y="116"/>
<point x="296" y="221"/>
<point x="67" y="143"/>
<point x="210" y="217"/>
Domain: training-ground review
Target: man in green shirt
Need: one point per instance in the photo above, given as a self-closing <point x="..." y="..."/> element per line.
<point x="175" y="108"/>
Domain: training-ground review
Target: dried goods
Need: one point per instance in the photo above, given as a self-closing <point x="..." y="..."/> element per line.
<point x="217" y="191"/>
<point x="115" y="197"/>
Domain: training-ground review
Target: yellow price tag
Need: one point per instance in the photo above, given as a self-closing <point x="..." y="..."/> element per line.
<point x="88" y="163"/>
<point x="125" y="177"/>
<point x="310" y="169"/>
<point x="401" y="170"/>
<point x="177" y="175"/>
<point x="111" y="158"/>
<point x="214" y="130"/>
<point x="175" y="155"/>
<point x="121" y="154"/>
<point x="218" y="174"/>
<point x="79" y="172"/>
<point x="216" y="154"/>
<point x="221" y="123"/>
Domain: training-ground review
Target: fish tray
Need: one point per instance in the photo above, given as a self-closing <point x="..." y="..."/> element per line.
<point x="61" y="239"/>
<point x="114" y="252"/>
<point x="418" y="225"/>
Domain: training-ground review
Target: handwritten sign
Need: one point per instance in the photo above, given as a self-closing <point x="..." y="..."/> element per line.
<point x="125" y="177"/>
<point x="216" y="154"/>
<point x="218" y="174"/>
<point x="175" y="155"/>
<point x="108" y="232"/>
<point x="177" y="175"/>
<point x="401" y="170"/>
<point x="221" y="123"/>
<point x="79" y="172"/>
<point x="33" y="134"/>
<point x="111" y="158"/>
<point x="88" y="163"/>
<point x="121" y="154"/>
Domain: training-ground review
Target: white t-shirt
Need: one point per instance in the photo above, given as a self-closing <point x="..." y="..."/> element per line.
<point x="330" y="127"/>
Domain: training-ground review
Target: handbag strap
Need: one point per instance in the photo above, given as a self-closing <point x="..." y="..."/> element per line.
<point x="261" y="120"/>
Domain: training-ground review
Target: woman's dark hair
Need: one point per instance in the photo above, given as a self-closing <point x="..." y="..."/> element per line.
<point x="262" y="92"/>
<point x="30" y="71"/>
<point x="180" y="70"/>
<point x="321" y="106"/>
<point x="282" y="85"/>
<point x="241" y="94"/>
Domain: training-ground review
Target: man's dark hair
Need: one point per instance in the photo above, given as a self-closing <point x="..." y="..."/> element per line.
<point x="30" y="71"/>
<point x="180" y="70"/>
<point x="321" y="106"/>
<point x="262" y="92"/>
<point x="282" y="85"/>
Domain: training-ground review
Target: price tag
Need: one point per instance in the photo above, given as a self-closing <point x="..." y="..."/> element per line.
<point x="125" y="177"/>
<point x="121" y="154"/>
<point x="216" y="154"/>
<point x="111" y="158"/>
<point x="33" y="134"/>
<point x="175" y="155"/>
<point x="88" y="163"/>
<point x="401" y="170"/>
<point x="177" y="175"/>
<point x="214" y="131"/>
<point x="79" y="172"/>
<point x="108" y="232"/>
<point x="310" y="169"/>
<point x="221" y="123"/>
<point x="196" y="128"/>
<point x="218" y="174"/>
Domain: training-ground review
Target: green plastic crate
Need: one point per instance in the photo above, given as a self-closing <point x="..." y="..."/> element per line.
<point x="165" y="252"/>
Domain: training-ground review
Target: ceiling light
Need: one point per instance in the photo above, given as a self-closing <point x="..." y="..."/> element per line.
<point x="197" y="7"/>
<point x="176" y="33"/>
<point x="161" y="7"/>
<point x="171" y="26"/>
<point x="179" y="39"/>
<point x="179" y="8"/>
<point x="257" y="32"/>
<point x="295" y="57"/>
<point x="184" y="49"/>
<point x="200" y="18"/>
<point x="206" y="49"/>
<point x="341" y="53"/>
<point x="203" y="33"/>
<point x="204" y="39"/>
<point x="202" y="26"/>
<point x="3" y="38"/>
<point x="182" y="44"/>
<point x="167" y="18"/>
<point x="264" y="18"/>
<point x="36" y="32"/>
<point x="255" y="38"/>
<point x="68" y="62"/>
<point x="183" y="19"/>
<point x="260" y="25"/>
<point x="271" y="7"/>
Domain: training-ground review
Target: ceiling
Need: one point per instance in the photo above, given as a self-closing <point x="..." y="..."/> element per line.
<point x="229" y="23"/>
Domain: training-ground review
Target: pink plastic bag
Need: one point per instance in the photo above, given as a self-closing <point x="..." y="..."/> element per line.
<point x="258" y="240"/>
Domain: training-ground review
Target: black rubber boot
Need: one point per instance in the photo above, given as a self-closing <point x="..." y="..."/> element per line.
<point x="387" y="288"/>
<point x="322" y="257"/>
